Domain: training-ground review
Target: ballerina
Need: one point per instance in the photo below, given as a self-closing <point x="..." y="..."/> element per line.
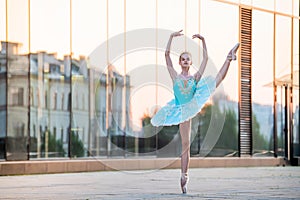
<point x="191" y="92"/>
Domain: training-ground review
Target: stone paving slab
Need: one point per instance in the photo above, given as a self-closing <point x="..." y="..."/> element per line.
<point x="205" y="183"/>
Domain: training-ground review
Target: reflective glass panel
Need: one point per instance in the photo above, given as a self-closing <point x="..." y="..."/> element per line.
<point x="17" y="81"/>
<point x="266" y="4"/>
<point x="262" y="84"/>
<point x="50" y="68"/>
<point x="219" y="118"/>
<point x="88" y="34"/>
<point x="284" y="6"/>
<point x="282" y="79"/>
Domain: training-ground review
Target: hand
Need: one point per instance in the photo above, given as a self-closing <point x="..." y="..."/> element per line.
<point x="198" y="36"/>
<point x="178" y="33"/>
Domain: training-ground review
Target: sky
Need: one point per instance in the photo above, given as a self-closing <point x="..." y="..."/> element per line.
<point x="218" y="23"/>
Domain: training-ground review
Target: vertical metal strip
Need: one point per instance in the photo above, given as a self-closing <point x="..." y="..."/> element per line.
<point x="107" y="78"/>
<point x="199" y="29"/>
<point x="6" y="23"/>
<point x="71" y="102"/>
<point x="125" y="8"/>
<point x="156" y="71"/>
<point x="185" y="25"/>
<point x="71" y="26"/>
<point x="90" y="130"/>
<point x="298" y="80"/>
<point x="125" y="83"/>
<point x="275" y="134"/>
<point x="156" y="52"/>
<point x="198" y="134"/>
<point x="290" y="97"/>
<point x="29" y="27"/>
<point x="29" y="84"/>
<point x="6" y="77"/>
<point x="286" y="128"/>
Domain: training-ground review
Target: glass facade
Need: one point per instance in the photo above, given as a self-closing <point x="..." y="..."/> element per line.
<point x="83" y="78"/>
<point x="17" y="82"/>
<point x="262" y="90"/>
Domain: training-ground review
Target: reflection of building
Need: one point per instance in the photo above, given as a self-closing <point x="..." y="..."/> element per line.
<point x="39" y="102"/>
<point x="14" y="73"/>
<point x="112" y="110"/>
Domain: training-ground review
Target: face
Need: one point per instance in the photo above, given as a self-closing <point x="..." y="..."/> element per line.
<point x="185" y="60"/>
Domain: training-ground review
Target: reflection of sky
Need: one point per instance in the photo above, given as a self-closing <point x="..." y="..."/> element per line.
<point x="50" y="31"/>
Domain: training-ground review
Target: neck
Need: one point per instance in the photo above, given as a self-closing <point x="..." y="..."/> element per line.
<point x="185" y="73"/>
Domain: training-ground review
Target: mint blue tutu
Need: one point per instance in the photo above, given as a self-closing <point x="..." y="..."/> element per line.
<point x="190" y="97"/>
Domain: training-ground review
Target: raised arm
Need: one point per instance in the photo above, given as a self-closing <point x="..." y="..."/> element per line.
<point x="200" y="72"/>
<point x="170" y="67"/>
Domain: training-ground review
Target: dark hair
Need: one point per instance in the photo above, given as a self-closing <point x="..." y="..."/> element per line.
<point x="185" y="52"/>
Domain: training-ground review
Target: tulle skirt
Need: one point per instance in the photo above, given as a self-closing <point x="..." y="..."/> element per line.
<point x="172" y="114"/>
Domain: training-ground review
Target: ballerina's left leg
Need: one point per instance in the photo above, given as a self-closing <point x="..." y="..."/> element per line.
<point x="223" y="71"/>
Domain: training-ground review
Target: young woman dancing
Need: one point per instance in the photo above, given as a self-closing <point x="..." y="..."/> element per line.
<point x="191" y="92"/>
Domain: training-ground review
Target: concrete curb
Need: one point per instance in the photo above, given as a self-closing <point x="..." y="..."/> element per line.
<point x="81" y="165"/>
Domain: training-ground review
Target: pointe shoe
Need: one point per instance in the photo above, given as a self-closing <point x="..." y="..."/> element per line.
<point x="183" y="182"/>
<point x="231" y="55"/>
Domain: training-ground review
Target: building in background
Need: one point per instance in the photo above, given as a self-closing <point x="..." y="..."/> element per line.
<point x="60" y="105"/>
<point x="37" y="88"/>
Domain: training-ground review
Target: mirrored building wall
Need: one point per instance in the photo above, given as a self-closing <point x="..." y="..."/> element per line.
<point x="83" y="78"/>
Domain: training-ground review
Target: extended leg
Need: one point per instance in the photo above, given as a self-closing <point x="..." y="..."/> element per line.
<point x="223" y="71"/>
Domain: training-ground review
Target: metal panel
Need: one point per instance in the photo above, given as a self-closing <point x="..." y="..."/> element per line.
<point x="245" y="98"/>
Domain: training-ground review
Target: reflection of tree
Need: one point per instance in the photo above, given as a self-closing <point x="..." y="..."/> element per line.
<point x="229" y="135"/>
<point x="259" y="142"/>
<point x="163" y="137"/>
<point x="147" y="126"/>
<point x="166" y="134"/>
<point x="77" y="148"/>
<point x="228" y="139"/>
<point x="55" y="147"/>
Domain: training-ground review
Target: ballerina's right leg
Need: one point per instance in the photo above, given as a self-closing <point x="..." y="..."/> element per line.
<point x="185" y="132"/>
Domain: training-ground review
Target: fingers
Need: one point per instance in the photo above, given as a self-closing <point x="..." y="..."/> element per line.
<point x="198" y="36"/>
<point x="178" y="33"/>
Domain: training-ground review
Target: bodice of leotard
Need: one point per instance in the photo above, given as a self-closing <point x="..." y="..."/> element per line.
<point x="184" y="89"/>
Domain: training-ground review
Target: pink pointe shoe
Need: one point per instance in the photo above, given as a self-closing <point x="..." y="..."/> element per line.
<point x="183" y="182"/>
<point x="231" y="55"/>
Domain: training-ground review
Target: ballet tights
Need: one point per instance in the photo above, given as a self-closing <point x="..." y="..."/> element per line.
<point x="185" y="132"/>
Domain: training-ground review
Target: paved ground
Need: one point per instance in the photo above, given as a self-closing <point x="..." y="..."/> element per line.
<point x="205" y="183"/>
